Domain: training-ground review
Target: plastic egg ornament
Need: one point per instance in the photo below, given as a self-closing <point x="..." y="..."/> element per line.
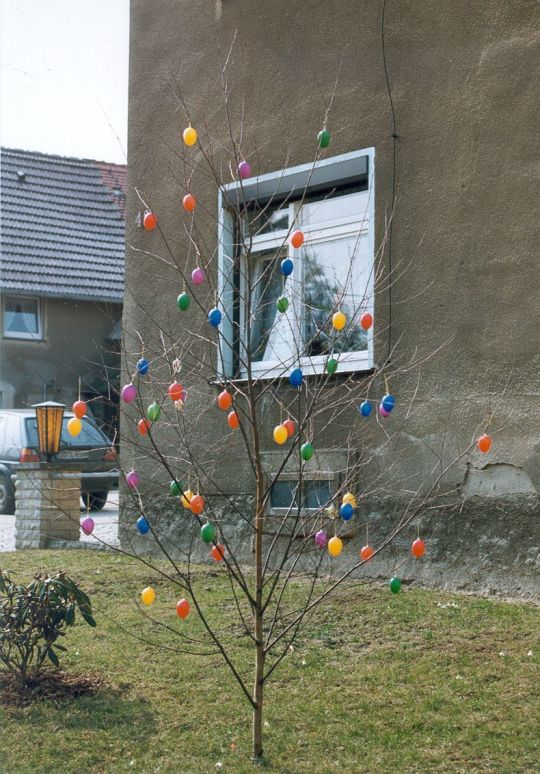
<point x="179" y="404"/>
<point x="153" y="412"/>
<point x="484" y="443"/>
<point x="198" y="276"/>
<point x="232" y="420"/>
<point x="339" y="321"/>
<point x="142" y="366"/>
<point x="79" y="408"/>
<point x="74" y="426"/>
<point x="129" y="393"/>
<point x="286" y="267"/>
<point x="280" y="434"/>
<point x="348" y="497"/>
<point x="183" y="301"/>
<point x="148" y="596"/>
<point x="143" y="426"/>
<point x="418" y="548"/>
<point x="196" y="504"/>
<point x="218" y="552"/>
<point x="133" y="479"/>
<point x="290" y="427"/>
<point x="182" y="608"/>
<point x="335" y="546"/>
<point x="331" y="366"/>
<point x="175" y="489"/>
<point x="323" y="138"/>
<point x="346" y="511"/>
<point x="186" y="499"/>
<point x="321" y="538"/>
<point x="142" y="525"/>
<point x="88" y="525"/>
<point x="394" y="585"/>
<point x="366" y="552"/>
<point x="297" y="239"/>
<point x="208" y="532"/>
<point x="189" y="202"/>
<point x="282" y="304"/>
<point x="224" y="400"/>
<point x="307" y="451"/>
<point x="175" y="391"/>
<point x="244" y="170"/>
<point x="296" y="377"/>
<point x="189" y="135"/>
<point x="366" y="321"/>
<point x="388" y="402"/>
<point x="383" y="412"/>
<point x="214" y="317"/>
<point x="365" y="408"/>
<point x="149" y="221"/>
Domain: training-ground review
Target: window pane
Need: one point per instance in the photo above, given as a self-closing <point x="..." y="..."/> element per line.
<point x="21" y="316"/>
<point x="267" y="218"/>
<point x="336" y="277"/>
<point x="270" y="332"/>
<point x="318" y="494"/>
<point x="284" y="494"/>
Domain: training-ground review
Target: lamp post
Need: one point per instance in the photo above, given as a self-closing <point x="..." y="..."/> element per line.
<point x="49" y="417"/>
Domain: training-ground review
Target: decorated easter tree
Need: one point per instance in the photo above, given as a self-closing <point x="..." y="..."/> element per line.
<point x="275" y="339"/>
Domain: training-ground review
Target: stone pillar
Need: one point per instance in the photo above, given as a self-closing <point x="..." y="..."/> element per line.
<point x="47" y="506"/>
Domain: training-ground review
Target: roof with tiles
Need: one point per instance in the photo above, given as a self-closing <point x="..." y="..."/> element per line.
<point x="62" y="226"/>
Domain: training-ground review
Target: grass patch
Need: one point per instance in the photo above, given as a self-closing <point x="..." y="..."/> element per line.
<point x="416" y="682"/>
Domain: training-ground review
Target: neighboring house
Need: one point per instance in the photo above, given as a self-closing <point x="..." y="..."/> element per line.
<point x="432" y="110"/>
<point x="61" y="280"/>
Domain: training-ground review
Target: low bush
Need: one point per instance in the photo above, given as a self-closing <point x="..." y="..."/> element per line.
<point x="34" y="617"/>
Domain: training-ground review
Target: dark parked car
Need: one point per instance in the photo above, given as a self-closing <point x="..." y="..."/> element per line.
<point x="92" y="448"/>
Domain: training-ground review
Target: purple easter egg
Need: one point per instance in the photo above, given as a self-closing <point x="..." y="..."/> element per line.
<point x="88" y="525"/>
<point x="129" y="393"/>
<point x="383" y="412"/>
<point x="198" y="276"/>
<point x="244" y="170"/>
<point x="321" y="538"/>
<point x="133" y="479"/>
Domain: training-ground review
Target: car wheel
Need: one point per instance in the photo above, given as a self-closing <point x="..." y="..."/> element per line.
<point x="96" y="500"/>
<point x="7" y="497"/>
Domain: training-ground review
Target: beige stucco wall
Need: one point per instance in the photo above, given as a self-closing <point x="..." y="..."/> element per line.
<point x="464" y="83"/>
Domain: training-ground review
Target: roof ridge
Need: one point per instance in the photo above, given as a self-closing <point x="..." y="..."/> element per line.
<point x="56" y="156"/>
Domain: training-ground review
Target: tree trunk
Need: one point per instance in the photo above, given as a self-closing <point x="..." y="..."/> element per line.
<point x="258" y="710"/>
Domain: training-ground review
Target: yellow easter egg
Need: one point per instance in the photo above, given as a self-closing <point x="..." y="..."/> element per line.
<point x="335" y="546"/>
<point x="349" y="498"/>
<point x="74" y="426"/>
<point x="186" y="499"/>
<point x="148" y="595"/>
<point x="190" y="136"/>
<point x="339" y="321"/>
<point x="280" y="434"/>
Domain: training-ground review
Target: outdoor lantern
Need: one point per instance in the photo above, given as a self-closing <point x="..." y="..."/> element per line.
<point x="49" y="417"/>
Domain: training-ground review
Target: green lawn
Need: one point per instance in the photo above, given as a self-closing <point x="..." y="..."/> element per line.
<point x="417" y="682"/>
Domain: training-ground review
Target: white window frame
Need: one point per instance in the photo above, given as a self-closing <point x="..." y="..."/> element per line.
<point x="331" y="171"/>
<point x="23" y="334"/>
<point x="333" y="478"/>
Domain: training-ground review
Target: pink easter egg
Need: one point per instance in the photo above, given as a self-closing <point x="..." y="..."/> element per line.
<point x="383" y="412"/>
<point x="321" y="538"/>
<point x="198" y="276"/>
<point x="129" y="393"/>
<point x="88" y="525"/>
<point x="133" y="479"/>
<point x="244" y="170"/>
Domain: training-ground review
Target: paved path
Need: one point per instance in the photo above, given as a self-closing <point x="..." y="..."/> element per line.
<point x="106" y="526"/>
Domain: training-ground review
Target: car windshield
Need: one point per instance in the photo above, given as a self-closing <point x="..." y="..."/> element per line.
<point x="90" y="435"/>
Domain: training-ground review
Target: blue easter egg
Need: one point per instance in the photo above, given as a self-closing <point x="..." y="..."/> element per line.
<point x="346" y="511"/>
<point x="287" y="267"/>
<point x="388" y="402"/>
<point x="214" y="317"/>
<point x="365" y="408"/>
<point x="296" y="377"/>
<point x="142" y="525"/>
<point x="142" y="366"/>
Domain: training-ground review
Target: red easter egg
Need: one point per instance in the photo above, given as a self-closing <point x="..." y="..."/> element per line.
<point x="149" y="221"/>
<point x="182" y="608"/>
<point x="297" y="239"/>
<point x="197" y="504"/>
<point x="189" y="202"/>
<point x="79" y="408"/>
<point x="143" y="426"/>
<point x="232" y="420"/>
<point x="418" y="548"/>
<point x="289" y="426"/>
<point x="175" y="391"/>
<point x="366" y="553"/>
<point x="224" y="400"/>
<point x="217" y="552"/>
<point x="366" y="321"/>
<point x="484" y="443"/>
